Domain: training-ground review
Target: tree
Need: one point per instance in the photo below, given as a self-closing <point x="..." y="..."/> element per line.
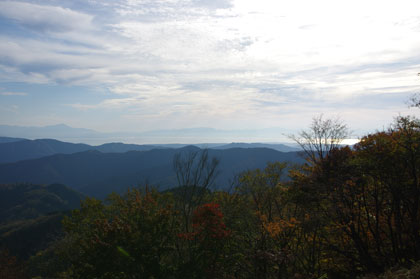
<point x="414" y="100"/>
<point x="195" y="168"/>
<point x="208" y="238"/>
<point x="129" y="237"/>
<point x="394" y="160"/>
<point x="267" y="249"/>
<point x="370" y="197"/>
<point x="322" y="136"/>
<point x="195" y="172"/>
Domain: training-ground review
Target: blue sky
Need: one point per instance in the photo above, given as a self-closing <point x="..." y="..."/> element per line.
<point x="146" y="65"/>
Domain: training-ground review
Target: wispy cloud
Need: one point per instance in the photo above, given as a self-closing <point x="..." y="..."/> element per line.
<point x="45" y="18"/>
<point x="13" y="93"/>
<point x="180" y="62"/>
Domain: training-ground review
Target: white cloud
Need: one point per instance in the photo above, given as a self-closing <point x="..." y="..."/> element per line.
<point x="45" y="18"/>
<point x="236" y="63"/>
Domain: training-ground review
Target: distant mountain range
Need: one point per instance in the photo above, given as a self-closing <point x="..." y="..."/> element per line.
<point x="98" y="174"/>
<point x="23" y="149"/>
<point x="192" y="135"/>
<point x="278" y="146"/>
<point x="8" y="139"/>
<point x="61" y="130"/>
<point x="17" y="149"/>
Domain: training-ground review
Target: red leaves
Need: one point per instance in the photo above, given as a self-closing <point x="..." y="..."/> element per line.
<point x="207" y="224"/>
<point x="208" y="220"/>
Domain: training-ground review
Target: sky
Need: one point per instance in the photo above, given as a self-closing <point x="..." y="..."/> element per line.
<point x="125" y="65"/>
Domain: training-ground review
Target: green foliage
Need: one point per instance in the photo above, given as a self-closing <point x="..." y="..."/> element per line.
<point x="29" y="201"/>
<point x="30" y="216"/>
<point x="129" y="236"/>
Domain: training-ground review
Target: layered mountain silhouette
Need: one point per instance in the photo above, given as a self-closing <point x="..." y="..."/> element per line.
<point x="51" y="131"/>
<point x="8" y="139"/>
<point x="34" y="200"/>
<point x="23" y="149"/>
<point x="188" y="135"/>
<point x="18" y="149"/>
<point x="98" y="174"/>
<point x="278" y="147"/>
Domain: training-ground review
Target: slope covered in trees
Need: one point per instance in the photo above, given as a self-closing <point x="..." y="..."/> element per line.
<point x="17" y="149"/>
<point x="30" y="215"/>
<point x="29" y="201"/>
<point x="9" y="139"/>
<point x="98" y="174"/>
<point x="13" y="150"/>
<point x="352" y="212"/>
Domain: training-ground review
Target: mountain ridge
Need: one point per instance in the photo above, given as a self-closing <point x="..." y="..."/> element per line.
<point x="25" y="149"/>
<point x="186" y="135"/>
<point x="98" y="174"/>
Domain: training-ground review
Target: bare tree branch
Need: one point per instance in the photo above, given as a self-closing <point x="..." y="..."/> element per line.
<point x="414" y="101"/>
<point x="195" y="173"/>
<point x="322" y="136"/>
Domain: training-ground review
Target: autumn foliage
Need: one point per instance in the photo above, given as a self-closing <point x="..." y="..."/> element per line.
<point x="208" y="222"/>
<point x="354" y="211"/>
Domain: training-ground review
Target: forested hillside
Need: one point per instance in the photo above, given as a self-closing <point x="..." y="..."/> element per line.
<point x="13" y="150"/>
<point x="344" y="213"/>
<point x="9" y="139"/>
<point x="28" y="201"/>
<point x="16" y="149"/>
<point x="98" y="174"/>
<point x="30" y="215"/>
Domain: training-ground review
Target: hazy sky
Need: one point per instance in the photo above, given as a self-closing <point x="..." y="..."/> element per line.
<point x="145" y="65"/>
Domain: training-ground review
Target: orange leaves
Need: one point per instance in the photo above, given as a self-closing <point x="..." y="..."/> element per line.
<point x="279" y="226"/>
